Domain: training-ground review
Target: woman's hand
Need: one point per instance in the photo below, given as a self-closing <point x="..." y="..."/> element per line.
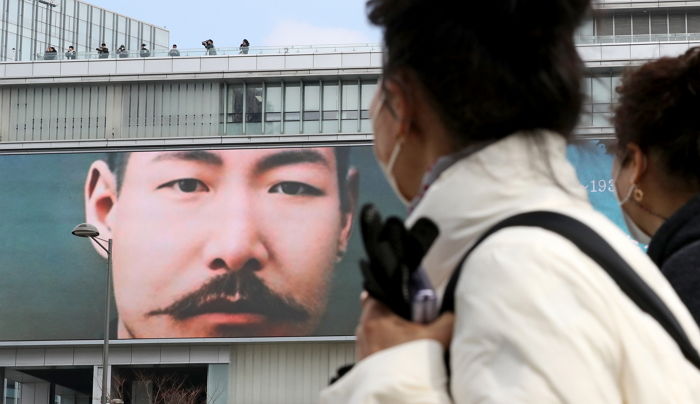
<point x="380" y="329"/>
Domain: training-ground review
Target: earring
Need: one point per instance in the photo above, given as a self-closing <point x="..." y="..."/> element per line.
<point x="638" y="194"/>
<point x="339" y="256"/>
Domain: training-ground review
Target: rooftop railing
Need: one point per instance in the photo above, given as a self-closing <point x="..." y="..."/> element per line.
<point x="612" y="39"/>
<point x="202" y="52"/>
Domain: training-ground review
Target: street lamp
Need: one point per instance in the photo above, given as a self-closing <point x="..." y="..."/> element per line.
<point x="90" y="231"/>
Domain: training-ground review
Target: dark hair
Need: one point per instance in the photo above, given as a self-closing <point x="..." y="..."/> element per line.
<point x="491" y="68"/>
<point x="658" y="110"/>
<point x="117" y="164"/>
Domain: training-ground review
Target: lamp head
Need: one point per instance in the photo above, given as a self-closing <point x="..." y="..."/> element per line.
<point x="85" y="230"/>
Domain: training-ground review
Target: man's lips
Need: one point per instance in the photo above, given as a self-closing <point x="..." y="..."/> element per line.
<point x="226" y="307"/>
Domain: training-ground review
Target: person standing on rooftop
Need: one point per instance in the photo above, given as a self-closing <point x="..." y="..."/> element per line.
<point x="144" y="52"/>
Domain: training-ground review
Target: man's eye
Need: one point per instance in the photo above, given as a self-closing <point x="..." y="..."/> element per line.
<point x="295" y="188"/>
<point x="186" y="185"/>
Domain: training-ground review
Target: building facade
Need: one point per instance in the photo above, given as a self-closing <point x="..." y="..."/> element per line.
<point x="29" y="27"/>
<point x="258" y="100"/>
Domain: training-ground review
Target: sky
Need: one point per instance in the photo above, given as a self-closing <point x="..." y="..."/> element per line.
<point x="262" y="22"/>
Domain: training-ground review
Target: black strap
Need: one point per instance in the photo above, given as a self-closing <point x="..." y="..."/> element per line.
<point x="593" y="245"/>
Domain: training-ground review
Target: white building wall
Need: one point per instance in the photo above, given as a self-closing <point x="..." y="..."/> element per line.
<point x="284" y="373"/>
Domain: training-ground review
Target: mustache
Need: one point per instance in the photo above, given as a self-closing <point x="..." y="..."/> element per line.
<point x="235" y="292"/>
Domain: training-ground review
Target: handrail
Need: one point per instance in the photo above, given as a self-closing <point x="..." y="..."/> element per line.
<point x="202" y="52"/>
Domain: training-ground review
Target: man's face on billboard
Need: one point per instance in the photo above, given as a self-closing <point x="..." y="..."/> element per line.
<point x="221" y="243"/>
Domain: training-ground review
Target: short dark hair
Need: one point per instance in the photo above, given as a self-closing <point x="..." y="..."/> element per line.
<point x="117" y="161"/>
<point x="490" y="68"/>
<point x="658" y="110"/>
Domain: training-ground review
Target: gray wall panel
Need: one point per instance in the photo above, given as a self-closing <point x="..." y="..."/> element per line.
<point x="286" y="373"/>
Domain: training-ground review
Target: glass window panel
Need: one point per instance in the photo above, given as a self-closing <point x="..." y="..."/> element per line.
<point x="328" y="115"/>
<point x="27" y="16"/>
<point x="349" y="126"/>
<point x="693" y="22"/>
<point x="273" y="98"/>
<point x="659" y="24"/>
<point x="109" y="20"/>
<point x="162" y="37"/>
<point x="616" y="81"/>
<point x="586" y="28"/>
<point x="623" y="24"/>
<point x="95" y="15"/>
<point x="291" y="116"/>
<point x="367" y="90"/>
<point x="640" y="23"/>
<point x="601" y="119"/>
<point x="330" y="96"/>
<point x="235" y="104"/>
<point x="97" y="34"/>
<point x="121" y="24"/>
<point x="601" y="90"/>
<point x="366" y="126"/>
<point x="312" y="127"/>
<point x="83" y="11"/>
<point x="292" y="96"/>
<point x="135" y="29"/>
<point x="312" y="115"/>
<point x="676" y="23"/>
<point x="350" y="114"/>
<point x="146" y="34"/>
<point x="330" y="126"/>
<point x="272" y="128"/>
<point x="70" y="8"/>
<point x="273" y="116"/>
<point x="351" y="96"/>
<point x="253" y="113"/>
<point x="13" y="11"/>
<point x="291" y="127"/>
<point x="604" y="25"/>
<point x="311" y="97"/>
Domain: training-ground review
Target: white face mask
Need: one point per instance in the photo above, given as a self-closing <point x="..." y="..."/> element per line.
<point x="388" y="169"/>
<point x="635" y="232"/>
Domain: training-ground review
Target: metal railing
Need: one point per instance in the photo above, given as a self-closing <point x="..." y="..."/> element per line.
<point x="626" y="39"/>
<point x="202" y="52"/>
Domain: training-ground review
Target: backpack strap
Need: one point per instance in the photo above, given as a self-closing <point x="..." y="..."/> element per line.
<point x="594" y="246"/>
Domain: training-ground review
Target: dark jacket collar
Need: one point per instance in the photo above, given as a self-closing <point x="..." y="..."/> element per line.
<point x="678" y="231"/>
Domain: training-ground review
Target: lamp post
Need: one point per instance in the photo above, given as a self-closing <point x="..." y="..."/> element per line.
<point x="90" y="231"/>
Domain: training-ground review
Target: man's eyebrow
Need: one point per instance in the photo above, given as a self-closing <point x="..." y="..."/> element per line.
<point x="200" y="156"/>
<point x="290" y="157"/>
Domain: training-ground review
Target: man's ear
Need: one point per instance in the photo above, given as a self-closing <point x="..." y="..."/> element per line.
<point x="637" y="161"/>
<point x="352" y="183"/>
<point x="100" y="199"/>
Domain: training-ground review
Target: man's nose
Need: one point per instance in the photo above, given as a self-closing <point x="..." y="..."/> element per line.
<point x="235" y="241"/>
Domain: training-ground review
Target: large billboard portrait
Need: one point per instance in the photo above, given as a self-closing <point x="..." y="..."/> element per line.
<point x="206" y="243"/>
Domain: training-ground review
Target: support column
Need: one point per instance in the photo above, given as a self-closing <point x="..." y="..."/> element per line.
<point x="3" y="386"/>
<point x="52" y="393"/>
<point x="97" y="383"/>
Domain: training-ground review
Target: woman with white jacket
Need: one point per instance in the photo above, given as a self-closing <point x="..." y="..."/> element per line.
<point x="471" y="133"/>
